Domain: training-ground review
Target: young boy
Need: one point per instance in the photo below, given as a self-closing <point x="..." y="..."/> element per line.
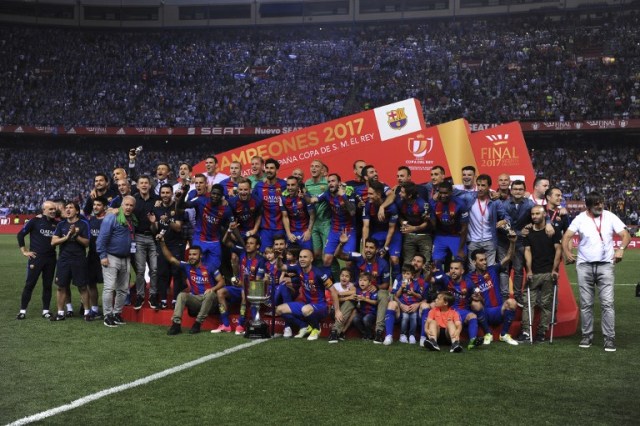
<point x="443" y="323"/>
<point x="347" y="296"/>
<point x="407" y="293"/>
<point x="366" y="306"/>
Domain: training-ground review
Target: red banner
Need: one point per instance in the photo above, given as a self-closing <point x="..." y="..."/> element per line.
<point x="380" y="136"/>
<point x="535" y="126"/>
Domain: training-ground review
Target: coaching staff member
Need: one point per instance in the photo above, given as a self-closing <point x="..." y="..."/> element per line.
<point x="41" y="255"/>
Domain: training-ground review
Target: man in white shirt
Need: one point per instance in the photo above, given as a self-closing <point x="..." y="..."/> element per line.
<point x="595" y="262"/>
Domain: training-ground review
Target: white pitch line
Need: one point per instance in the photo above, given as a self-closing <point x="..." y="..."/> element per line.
<point x="143" y="381"/>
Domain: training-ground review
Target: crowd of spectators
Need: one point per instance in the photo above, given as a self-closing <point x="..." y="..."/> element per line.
<point x="68" y="173"/>
<point x="495" y="69"/>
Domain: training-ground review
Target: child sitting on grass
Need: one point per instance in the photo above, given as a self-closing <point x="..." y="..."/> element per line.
<point x="443" y="323"/>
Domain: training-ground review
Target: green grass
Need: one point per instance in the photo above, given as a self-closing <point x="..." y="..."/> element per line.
<point x="45" y="365"/>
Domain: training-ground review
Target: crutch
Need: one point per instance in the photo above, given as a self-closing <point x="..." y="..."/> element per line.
<point x="530" y="313"/>
<point x="553" y="309"/>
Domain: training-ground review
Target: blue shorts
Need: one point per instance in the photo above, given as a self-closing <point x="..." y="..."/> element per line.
<point x="234" y="294"/>
<point x="319" y="309"/>
<point x="68" y="270"/>
<point x="463" y="314"/>
<point x="494" y="315"/>
<point x="445" y="244"/>
<point x="303" y="244"/>
<point x="395" y="246"/>
<point x="334" y="239"/>
<point x="211" y="253"/>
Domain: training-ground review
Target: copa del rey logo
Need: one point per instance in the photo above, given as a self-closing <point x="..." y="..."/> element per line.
<point x="396" y="118"/>
<point x="499" y="139"/>
<point x="420" y="146"/>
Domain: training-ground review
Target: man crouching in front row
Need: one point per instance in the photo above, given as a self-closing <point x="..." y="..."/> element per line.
<point x="200" y="293"/>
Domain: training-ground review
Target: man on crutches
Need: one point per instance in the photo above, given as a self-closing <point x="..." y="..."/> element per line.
<point x="542" y="256"/>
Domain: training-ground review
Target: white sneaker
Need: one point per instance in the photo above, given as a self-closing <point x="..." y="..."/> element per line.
<point x="507" y="339"/>
<point x="488" y="338"/>
<point x="403" y="339"/>
<point x="388" y="340"/>
<point x="412" y="340"/>
<point x="422" y="339"/>
<point x="304" y="332"/>
<point x="287" y="333"/>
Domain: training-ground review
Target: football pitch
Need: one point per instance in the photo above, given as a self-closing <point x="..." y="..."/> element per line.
<point x="136" y="374"/>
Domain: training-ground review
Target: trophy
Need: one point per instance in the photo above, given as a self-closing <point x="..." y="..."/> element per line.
<point x="256" y="295"/>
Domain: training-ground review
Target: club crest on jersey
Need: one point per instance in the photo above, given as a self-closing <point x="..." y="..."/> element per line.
<point x="396" y="118"/>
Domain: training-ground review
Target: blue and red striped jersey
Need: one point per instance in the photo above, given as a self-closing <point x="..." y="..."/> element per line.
<point x="198" y="278"/>
<point x="270" y="195"/>
<point x="210" y="219"/>
<point x="250" y="269"/>
<point x="340" y="216"/>
<point x="449" y="217"/>
<point x="298" y="210"/>
<point x="370" y="213"/>
<point x="366" y="308"/>
<point x="489" y="285"/>
<point x="313" y="284"/>
<point x="378" y="268"/>
<point x="413" y="211"/>
<point x="245" y="212"/>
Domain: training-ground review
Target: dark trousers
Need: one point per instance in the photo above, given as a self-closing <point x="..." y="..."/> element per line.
<point x="166" y="272"/>
<point x="40" y="265"/>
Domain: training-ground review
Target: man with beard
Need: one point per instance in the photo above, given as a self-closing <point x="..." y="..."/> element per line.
<point x="369" y="262"/>
<point x="246" y="208"/>
<point x="461" y="289"/>
<point x="200" y="293"/>
<point x="595" y="264"/>
<point x="41" y="257"/>
<point x="269" y="191"/>
<point x="167" y="221"/>
<point x="100" y="189"/>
